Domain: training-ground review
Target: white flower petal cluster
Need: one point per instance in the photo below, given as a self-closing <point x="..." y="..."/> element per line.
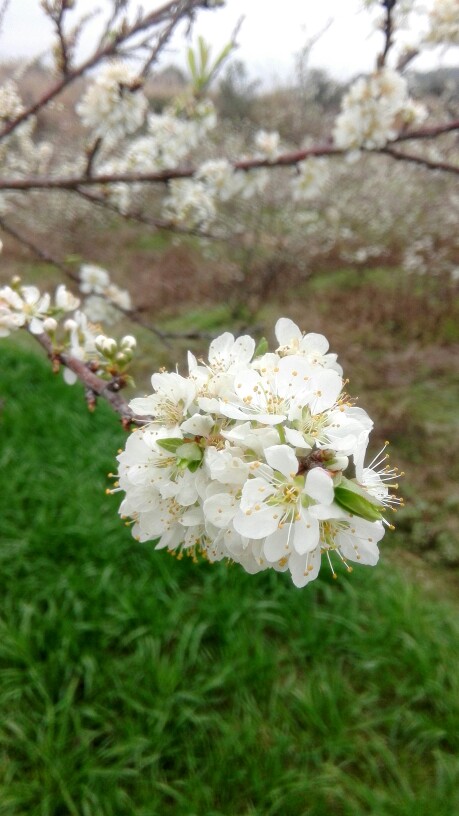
<point x="104" y="299"/>
<point x="189" y="203"/>
<point x="19" y="154"/>
<point x="173" y="134"/>
<point x="114" y="105"/>
<point x="374" y="110"/>
<point x="444" y="23"/>
<point x="26" y="306"/>
<point x="249" y="458"/>
<point x="220" y="179"/>
<point x="310" y="179"/>
<point x="267" y="143"/>
<point x="68" y="328"/>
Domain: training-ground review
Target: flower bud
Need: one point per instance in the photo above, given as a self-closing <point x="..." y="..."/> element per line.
<point x="49" y="325"/>
<point x="109" y="346"/>
<point x="70" y="325"/>
<point x="128" y="342"/>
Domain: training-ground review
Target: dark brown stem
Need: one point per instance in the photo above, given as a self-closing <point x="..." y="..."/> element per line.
<point x="388" y="30"/>
<point x="93" y="384"/>
<point x="399" y="155"/>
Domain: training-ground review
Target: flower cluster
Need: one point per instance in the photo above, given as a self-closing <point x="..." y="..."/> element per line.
<point x="19" y="153"/>
<point x="374" y="110"/>
<point x="256" y="457"/>
<point x="104" y="299"/>
<point x="114" y="104"/>
<point x="310" y="179"/>
<point x="25" y="306"/>
<point x="67" y="327"/>
<point x="444" y="23"/>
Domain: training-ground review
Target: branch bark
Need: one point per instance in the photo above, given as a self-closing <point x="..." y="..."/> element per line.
<point x="164" y="176"/>
<point x="93" y="384"/>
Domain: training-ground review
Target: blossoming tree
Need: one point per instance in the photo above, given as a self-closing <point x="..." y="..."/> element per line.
<point x="255" y="456"/>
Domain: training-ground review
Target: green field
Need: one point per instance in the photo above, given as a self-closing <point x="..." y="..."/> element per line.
<point x="133" y="684"/>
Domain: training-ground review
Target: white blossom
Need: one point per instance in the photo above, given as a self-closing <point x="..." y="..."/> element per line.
<point x="248" y="459"/>
<point x="114" y="105"/>
<point x="444" y="23"/>
<point x="310" y="179"/>
<point x="267" y="143"/>
<point x="373" y="111"/>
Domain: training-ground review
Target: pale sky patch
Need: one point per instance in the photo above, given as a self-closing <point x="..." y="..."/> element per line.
<point x="271" y="34"/>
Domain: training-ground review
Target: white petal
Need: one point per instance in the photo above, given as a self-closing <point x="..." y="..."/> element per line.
<point x="143" y="405"/>
<point x="304" y="568"/>
<point x="276" y="545"/>
<point x="296" y="439"/>
<point x="282" y="458"/>
<point x="315" y="342"/>
<point x="325" y="390"/>
<point x="36" y="326"/>
<point x="255" y="523"/>
<point x="286" y="331"/>
<point x="221" y="347"/>
<point x="220" y="509"/>
<point x="198" y="424"/>
<point x="319" y="486"/>
<point x="307" y="533"/>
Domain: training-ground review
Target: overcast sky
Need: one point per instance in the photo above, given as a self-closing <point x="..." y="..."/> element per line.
<point x="272" y="32"/>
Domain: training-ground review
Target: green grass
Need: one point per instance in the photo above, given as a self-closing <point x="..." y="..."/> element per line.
<point x="133" y="684"/>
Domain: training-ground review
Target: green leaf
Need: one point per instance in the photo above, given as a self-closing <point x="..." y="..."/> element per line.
<point x="170" y="444"/>
<point x="203" y="53"/>
<point x="355" y="503"/>
<point x="190" y="452"/>
<point x="191" y="59"/>
<point x="193" y="466"/>
<point x="262" y="347"/>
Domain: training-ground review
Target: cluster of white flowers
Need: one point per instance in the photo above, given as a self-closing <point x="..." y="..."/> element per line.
<point x="267" y="143"/>
<point x="256" y="457"/>
<point x="170" y="137"/>
<point x="19" y="154"/>
<point x="310" y="179"/>
<point x="26" y="307"/>
<point x="374" y="110"/>
<point x="444" y="23"/>
<point x="105" y="300"/>
<point x="114" y="105"/>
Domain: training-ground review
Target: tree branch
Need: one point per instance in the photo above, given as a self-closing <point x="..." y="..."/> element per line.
<point x="411" y="157"/>
<point x="388" y="30"/>
<point x="94" y="385"/>
<point x="164" y="176"/>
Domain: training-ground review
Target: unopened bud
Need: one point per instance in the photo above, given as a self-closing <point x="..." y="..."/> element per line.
<point x="49" y="325"/>
<point x="128" y="342"/>
<point x="109" y="346"/>
<point x="70" y="325"/>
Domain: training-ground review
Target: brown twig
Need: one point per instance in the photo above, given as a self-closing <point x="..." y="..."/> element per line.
<point x="430" y="132"/>
<point x="399" y="155"/>
<point x="93" y="384"/>
<point x="164" y="176"/>
<point x="388" y="31"/>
